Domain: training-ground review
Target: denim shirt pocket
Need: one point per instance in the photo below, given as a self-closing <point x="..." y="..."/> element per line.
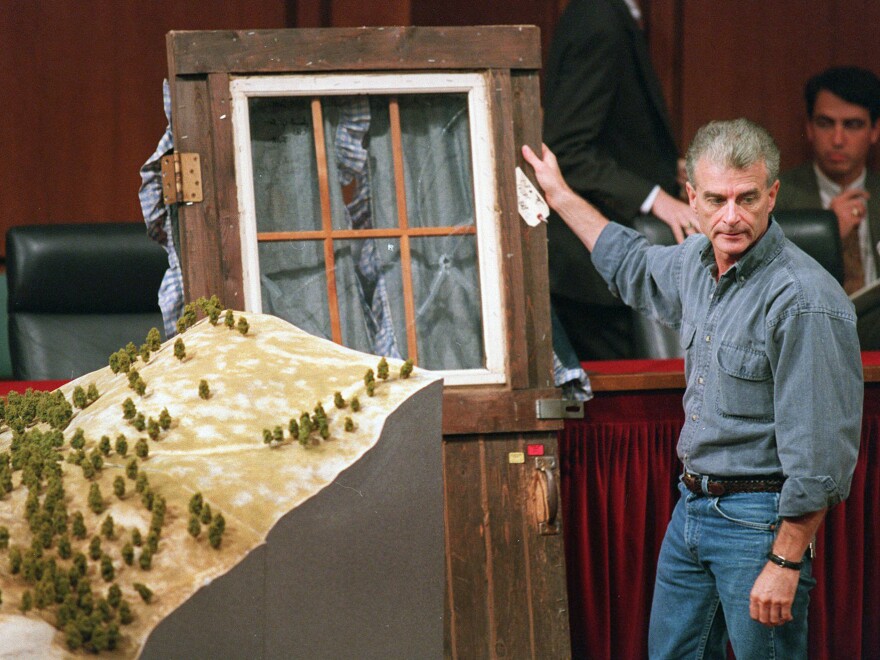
<point x="745" y="383"/>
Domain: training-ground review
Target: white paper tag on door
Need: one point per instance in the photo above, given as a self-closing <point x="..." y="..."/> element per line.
<point x="532" y="207"/>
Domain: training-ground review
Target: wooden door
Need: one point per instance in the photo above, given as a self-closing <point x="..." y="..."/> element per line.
<point x="505" y="564"/>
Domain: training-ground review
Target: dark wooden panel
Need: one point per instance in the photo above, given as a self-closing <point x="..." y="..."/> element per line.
<point x="467" y="582"/>
<point x="227" y="218"/>
<point x="527" y="130"/>
<point x="765" y="82"/>
<point x="356" y="49"/>
<point x="199" y="235"/>
<point x="82" y="100"/>
<point x="495" y="553"/>
<point x="509" y="223"/>
<point x="495" y="410"/>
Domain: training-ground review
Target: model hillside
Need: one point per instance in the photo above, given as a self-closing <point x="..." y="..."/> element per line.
<point x="124" y="491"/>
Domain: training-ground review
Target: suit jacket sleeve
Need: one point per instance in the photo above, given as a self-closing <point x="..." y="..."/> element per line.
<point x="581" y="94"/>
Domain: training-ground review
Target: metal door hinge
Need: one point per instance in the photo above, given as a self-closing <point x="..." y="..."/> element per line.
<point x="181" y="178"/>
<point x="559" y="409"/>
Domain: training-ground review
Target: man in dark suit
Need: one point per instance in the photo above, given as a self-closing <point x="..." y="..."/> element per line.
<point x="605" y="118"/>
<point x="843" y="123"/>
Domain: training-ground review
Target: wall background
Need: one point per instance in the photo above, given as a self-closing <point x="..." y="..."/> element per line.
<point x="81" y="79"/>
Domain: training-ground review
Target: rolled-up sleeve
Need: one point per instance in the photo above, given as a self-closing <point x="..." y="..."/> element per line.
<point x="818" y="406"/>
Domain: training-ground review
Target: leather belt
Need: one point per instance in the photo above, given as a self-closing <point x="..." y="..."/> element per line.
<point x="716" y="487"/>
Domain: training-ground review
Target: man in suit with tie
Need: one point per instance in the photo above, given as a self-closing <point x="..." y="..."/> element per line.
<point x="605" y="118"/>
<point x="843" y="123"/>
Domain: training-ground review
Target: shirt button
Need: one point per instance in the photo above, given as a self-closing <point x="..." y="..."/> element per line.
<point x="695" y="417"/>
<point x="700" y="380"/>
<point x="708" y="338"/>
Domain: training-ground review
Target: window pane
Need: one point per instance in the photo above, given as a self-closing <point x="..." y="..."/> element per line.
<point x="293" y="282"/>
<point x="370" y="291"/>
<point x="437" y="159"/>
<point x="447" y="298"/>
<point x="284" y="165"/>
<point x="359" y="162"/>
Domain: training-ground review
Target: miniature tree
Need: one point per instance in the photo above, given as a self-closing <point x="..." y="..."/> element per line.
<point x="369" y="377"/>
<point x="141" y="449"/>
<point x="293" y="427"/>
<point x="242" y="325"/>
<point x="132" y="351"/>
<point x="139" y="422"/>
<point x="96" y="502"/>
<point x="88" y="469"/>
<point x="107" y="526"/>
<point x="95" y="548"/>
<point x="215" y="531"/>
<point x="128" y="554"/>
<point x="181" y="325"/>
<point x="267" y="436"/>
<point x="114" y="596"/>
<point x="204" y="390"/>
<point x="154" y="339"/>
<point x="124" y="361"/>
<point x="119" y="487"/>
<point x="153" y="429"/>
<point x="278" y="434"/>
<point x="406" y="369"/>
<point x="131" y="469"/>
<point x="323" y="428"/>
<point x="206" y="516"/>
<point x="371" y="388"/>
<point x="229" y="319"/>
<point x="338" y="401"/>
<point x="104" y="445"/>
<point x="96" y="460"/>
<point x="121" y="445"/>
<point x="92" y="393"/>
<point x="129" y="410"/>
<point x="145" y="561"/>
<point x="147" y="499"/>
<point x="196" y="502"/>
<point x="164" y="419"/>
<point x="136" y="538"/>
<point x="27" y="602"/>
<point x="195" y="527"/>
<point x="349" y="424"/>
<point x="78" y="440"/>
<point x="144" y="352"/>
<point x="125" y="615"/>
<point x="79" y="397"/>
<point x="64" y="548"/>
<point x="4" y="538"/>
<point x="144" y="591"/>
<point x="140" y="386"/>
<point x="107" y="571"/>
<point x="382" y="369"/>
<point x="179" y="349"/>
<point x="78" y="525"/>
<point x="114" y="362"/>
<point x="355" y="404"/>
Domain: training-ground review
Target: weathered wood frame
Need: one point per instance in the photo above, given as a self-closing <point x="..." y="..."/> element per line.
<point x="506" y="592"/>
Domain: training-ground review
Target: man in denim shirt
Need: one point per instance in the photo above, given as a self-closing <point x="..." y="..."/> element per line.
<point x="773" y="401"/>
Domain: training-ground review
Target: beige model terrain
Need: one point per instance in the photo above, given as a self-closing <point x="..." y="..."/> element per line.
<point x="214" y="446"/>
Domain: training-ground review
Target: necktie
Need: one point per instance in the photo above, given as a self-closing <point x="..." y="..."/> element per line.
<point x="853" y="269"/>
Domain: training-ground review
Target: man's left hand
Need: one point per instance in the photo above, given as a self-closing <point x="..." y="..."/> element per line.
<point x="773" y="594"/>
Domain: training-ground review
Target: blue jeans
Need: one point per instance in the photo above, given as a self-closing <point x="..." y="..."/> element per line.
<point x="712" y="553"/>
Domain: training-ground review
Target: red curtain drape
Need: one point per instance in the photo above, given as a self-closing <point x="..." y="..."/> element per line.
<point x="618" y="476"/>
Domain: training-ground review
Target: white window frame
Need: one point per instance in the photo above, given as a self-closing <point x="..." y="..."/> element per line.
<point x="476" y="86"/>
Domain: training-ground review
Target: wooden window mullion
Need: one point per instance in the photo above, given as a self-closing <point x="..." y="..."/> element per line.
<point x="403" y="223"/>
<point x="326" y="220"/>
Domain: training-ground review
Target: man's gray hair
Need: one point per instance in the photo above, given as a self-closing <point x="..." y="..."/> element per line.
<point x="735" y="143"/>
